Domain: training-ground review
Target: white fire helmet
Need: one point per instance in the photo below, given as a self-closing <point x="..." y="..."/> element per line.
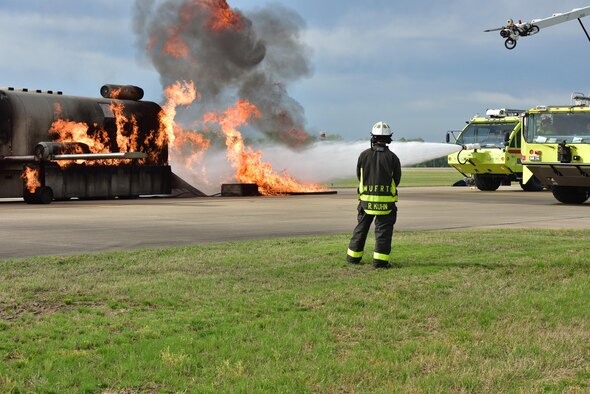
<point x="381" y="129"/>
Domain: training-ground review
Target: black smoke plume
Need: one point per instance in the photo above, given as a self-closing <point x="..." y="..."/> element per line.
<point x="230" y="55"/>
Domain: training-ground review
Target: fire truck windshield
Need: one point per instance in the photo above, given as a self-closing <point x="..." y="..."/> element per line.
<point x="553" y="128"/>
<point x="487" y="135"/>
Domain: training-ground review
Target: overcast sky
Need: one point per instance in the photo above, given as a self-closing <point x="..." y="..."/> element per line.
<point x="423" y="66"/>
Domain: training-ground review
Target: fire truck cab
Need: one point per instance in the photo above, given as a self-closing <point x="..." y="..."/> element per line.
<point x="556" y="148"/>
<point x="491" y="151"/>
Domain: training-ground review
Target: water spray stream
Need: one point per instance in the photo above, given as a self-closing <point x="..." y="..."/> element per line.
<point x="322" y="162"/>
<point x="326" y="161"/>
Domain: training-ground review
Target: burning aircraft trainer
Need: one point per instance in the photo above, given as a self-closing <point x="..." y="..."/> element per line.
<point x="54" y="146"/>
<point x="513" y="31"/>
<point x="58" y="147"/>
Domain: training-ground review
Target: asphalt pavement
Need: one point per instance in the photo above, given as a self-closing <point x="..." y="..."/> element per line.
<point x="75" y="227"/>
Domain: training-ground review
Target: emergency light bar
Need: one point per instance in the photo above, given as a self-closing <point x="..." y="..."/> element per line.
<point x="496" y="113"/>
<point x="503" y="112"/>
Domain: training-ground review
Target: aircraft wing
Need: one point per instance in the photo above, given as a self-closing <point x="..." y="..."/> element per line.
<point x="496" y="29"/>
<point x="562" y="17"/>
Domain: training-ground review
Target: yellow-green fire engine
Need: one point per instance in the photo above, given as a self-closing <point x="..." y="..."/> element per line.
<point x="491" y="151"/>
<point x="556" y="148"/>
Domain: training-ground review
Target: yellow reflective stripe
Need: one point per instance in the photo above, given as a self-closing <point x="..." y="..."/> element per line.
<point x="372" y="198"/>
<point x="369" y="212"/>
<point x="354" y="254"/>
<point x="380" y="256"/>
<point x="361" y="187"/>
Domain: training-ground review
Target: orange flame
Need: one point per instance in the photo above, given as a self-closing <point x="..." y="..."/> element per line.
<point x="126" y="143"/>
<point x="127" y="135"/>
<point x="31" y="177"/>
<point x="179" y="93"/>
<point x="247" y="162"/>
<point x="69" y="131"/>
<point x="127" y="130"/>
<point x="115" y="93"/>
<point x="77" y="132"/>
<point x="188" y="147"/>
<point x="176" y="46"/>
<point x="222" y="16"/>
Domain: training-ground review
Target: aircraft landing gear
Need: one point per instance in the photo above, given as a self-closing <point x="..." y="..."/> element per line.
<point x="512" y="35"/>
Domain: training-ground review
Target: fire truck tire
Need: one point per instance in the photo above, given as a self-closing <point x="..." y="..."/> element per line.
<point x="487" y="183"/>
<point x="533" y="185"/>
<point x="570" y="194"/>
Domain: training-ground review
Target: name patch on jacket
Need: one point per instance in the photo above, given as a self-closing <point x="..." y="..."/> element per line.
<point x="375" y="208"/>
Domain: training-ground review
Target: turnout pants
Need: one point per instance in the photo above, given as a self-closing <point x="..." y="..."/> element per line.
<point x="383" y="234"/>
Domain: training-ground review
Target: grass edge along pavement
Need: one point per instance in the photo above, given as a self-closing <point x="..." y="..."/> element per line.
<point x="465" y="311"/>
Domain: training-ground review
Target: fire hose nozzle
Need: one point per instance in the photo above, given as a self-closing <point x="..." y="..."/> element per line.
<point x="471" y="146"/>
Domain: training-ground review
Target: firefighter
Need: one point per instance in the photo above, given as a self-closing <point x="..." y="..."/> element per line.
<point x="379" y="173"/>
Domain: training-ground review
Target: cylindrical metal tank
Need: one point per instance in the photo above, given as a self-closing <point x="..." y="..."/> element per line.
<point x="26" y="118"/>
<point x="122" y="92"/>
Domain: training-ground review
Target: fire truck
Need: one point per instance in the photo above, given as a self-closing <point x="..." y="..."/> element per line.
<point x="556" y="148"/>
<point x="491" y="151"/>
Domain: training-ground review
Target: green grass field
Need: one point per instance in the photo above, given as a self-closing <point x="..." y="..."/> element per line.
<point x="413" y="177"/>
<point x="478" y="311"/>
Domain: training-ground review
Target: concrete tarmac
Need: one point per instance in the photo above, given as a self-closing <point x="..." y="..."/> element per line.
<point x="76" y="227"/>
